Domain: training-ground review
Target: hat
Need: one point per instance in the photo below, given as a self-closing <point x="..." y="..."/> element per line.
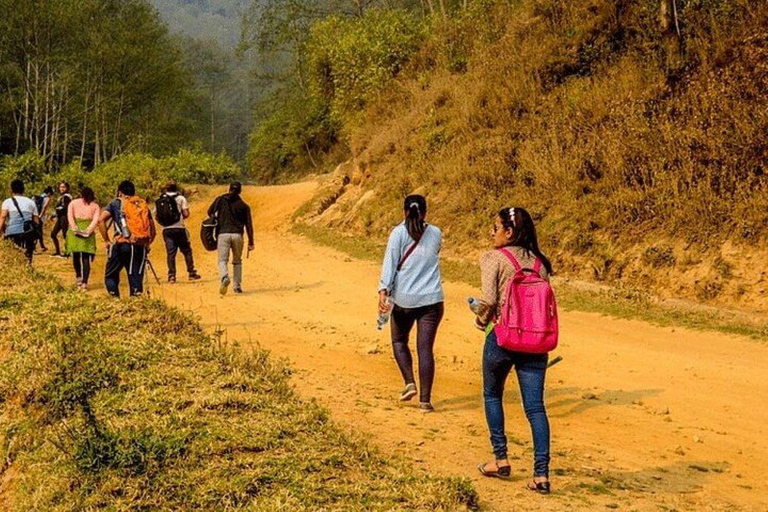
<point x="235" y="187"/>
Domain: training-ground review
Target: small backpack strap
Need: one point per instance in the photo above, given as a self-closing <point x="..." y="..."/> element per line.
<point x="512" y="259"/>
<point x="537" y="266"/>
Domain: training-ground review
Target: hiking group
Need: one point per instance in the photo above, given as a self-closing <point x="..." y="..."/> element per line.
<point x="517" y="314"/>
<point x="127" y="228"/>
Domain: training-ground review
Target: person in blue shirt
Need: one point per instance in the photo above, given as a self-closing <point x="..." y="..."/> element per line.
<point x="16" y="214"/>
<point x="410" y="280"/>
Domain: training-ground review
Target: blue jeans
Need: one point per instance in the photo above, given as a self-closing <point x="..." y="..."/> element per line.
<point x="531" y="370"/>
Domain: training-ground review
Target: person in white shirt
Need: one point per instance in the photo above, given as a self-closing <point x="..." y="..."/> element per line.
<point x="19" y="219"/>
<point x="171" y="210"/>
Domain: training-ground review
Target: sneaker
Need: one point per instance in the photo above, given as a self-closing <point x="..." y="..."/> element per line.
<point x="194" y="276"/>
<point x="171" y="279"/>
<point x="83" y="287"/>
<point x="426" y="407"/>
<point x="237" y="289"/>
<point x="224" y="285"/>
<point x="408" y="393"/>
<point x="58" y="255"/>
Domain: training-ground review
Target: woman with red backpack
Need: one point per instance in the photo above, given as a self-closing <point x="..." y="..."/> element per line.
<point x="519" y="317"/>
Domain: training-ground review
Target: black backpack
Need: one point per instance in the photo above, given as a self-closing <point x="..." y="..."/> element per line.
<point x="167" y="210"/>
<point x="209" y="229"/>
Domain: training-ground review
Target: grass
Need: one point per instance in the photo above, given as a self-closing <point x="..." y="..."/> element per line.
<point x="129" y="405"/>
<point x="617" y="302"/>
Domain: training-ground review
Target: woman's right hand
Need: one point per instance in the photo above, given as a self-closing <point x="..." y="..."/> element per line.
<point x="384" y="305"/>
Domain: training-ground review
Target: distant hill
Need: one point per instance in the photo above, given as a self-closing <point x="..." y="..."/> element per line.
<point x="204" y="19"/>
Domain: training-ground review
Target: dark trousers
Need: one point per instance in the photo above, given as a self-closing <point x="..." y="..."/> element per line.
<point x="41" y="235"/>
<point x="61" y="226"/>
<point x="427" y="319"/>
<point x="531" y="370"/>
<point x="82" y="263"/>
<point x="26" y="242"/>
<point x="130" y="257"/>
<point x="177" y="239"/>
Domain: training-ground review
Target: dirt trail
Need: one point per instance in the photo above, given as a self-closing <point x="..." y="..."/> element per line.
<point x="643" y="417"/>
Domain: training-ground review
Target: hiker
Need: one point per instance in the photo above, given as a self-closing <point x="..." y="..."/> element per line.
<point x="60" y="216"/>
<point x="42" y="201"/>
<point x="19" y="219"/>
<point x="170" y="211"/>
<point x="410" y="279"/>
<point x="134" y="231"/>
<point x="83" y="217"/>
<point x="233" y="216"/>
<point x="516" y="248"/>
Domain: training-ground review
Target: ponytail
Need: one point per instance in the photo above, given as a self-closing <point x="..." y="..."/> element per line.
<point x="415" y="209"/>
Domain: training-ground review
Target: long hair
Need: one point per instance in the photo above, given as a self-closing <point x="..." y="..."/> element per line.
<point x="415" y="207"/>
<point x="523" y="233"/>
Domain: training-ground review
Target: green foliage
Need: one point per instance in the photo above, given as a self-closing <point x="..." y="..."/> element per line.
<point x="89" y="79"/>
<point x="129" y="405"/>
<point x="149" y="173"/>
<point x="352" y="59"/>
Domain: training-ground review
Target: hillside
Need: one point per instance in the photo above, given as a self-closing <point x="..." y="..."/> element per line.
<point x="640" y="150"/>
<point x="218" y="20"/>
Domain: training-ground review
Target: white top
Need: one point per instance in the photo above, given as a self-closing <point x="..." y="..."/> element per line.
<point x="15" y="224"/>
<point x="182" y="203"/>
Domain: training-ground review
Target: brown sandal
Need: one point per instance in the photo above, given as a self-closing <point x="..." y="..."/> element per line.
<point x="539" y="487"/>
<point x="500" y="472"/>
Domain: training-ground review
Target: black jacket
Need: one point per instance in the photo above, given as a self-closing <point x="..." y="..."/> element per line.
<point x="233" y="215"/>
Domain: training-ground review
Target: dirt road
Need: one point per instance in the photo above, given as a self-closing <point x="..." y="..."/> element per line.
<point x="643" y="417"/>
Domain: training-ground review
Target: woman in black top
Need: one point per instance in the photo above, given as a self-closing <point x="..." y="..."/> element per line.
<point x="61" y="223"/>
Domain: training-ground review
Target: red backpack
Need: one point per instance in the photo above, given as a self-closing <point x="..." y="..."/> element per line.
<point x="528" y="320"/>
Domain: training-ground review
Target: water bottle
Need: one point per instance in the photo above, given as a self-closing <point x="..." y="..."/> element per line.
<point x="475" y="305"/>
<point x="384" y="317"/>
<point x="124" y="231"/>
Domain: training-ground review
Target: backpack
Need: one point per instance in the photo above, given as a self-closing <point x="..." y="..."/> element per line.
<point x="167" y="210"/>
<point x="209" y="229"/>
<point x="529" y="313"/>
<point x="39" y="200"/>
<point x="139" y="220"/>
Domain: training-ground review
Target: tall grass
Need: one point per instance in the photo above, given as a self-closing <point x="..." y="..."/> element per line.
<point x="129" y="405"/>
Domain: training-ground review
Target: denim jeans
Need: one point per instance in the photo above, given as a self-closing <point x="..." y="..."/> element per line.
<point x="531" y="370"/>
<point x="177" y="239"/>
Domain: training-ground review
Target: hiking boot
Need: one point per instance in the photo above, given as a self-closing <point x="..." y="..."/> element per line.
<point x="194" y="276"/>
<point x="408" y="393"/>
<point x="171" y="279"/>
<point x="426" y="407"/>
<point x="237" y="289"/>
<point x="224" y="285"/>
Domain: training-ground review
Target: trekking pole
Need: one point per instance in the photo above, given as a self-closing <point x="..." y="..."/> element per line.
<point x="152" y="269"/>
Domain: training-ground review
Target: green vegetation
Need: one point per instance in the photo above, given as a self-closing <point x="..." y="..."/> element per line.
<point x="639" y="148"/>
<point x="630" y="303"/>
<point x="129" y="405"/>
<point x="148" y="173"/>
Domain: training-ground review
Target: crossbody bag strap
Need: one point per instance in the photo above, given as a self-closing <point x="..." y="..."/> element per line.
<point x="410" y="251"/>
<point x="16" y="204"/>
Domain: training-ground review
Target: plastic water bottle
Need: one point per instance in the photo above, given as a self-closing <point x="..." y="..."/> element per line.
<point x="475" y="305"/>
<point x="384" y="317"/>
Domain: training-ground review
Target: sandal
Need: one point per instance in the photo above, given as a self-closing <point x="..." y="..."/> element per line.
<point x="500" y="472"/>
<point x="539" y="487"/>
